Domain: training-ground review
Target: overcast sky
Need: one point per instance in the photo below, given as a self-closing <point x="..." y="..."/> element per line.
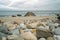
<point x="6" y="5"/>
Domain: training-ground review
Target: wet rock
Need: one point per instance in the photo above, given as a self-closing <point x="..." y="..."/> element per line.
<point x="50" y="38"/>
<point x="13" y="15"/>
<point x="4" y="30"/>
<point x="19" y="15"/>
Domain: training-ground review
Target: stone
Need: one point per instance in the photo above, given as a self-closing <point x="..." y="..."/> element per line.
<point x="32" y="25"/>
<point x="30" y="14"/>
<point x="12" y="37"/>
<point x="57" y="37"/>
<point x="42" y="39"/>
<point x="2" y="36"/>
<point x="15" y="31"/>
<point x="50" y="38"/>
<point x="57" y="31"/>
<point x="27" y="35"/>
<point x="43" y="33"/>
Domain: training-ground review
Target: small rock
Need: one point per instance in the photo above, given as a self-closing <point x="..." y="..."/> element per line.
<point x="12" y="37"/>
<point x="2" y="38"/>
<point x="50" y="38"/>
<point x="57" y="37"/>
<point x="57" y="31"/>
<point x="42" y="39"/>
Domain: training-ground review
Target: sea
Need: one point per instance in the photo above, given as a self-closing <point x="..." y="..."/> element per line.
<point x="37" y="13"/>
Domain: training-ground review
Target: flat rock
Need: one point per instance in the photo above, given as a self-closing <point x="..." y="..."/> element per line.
<point x="44" y="34"/>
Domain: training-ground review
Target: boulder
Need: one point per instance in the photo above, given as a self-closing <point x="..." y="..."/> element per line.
<point x="27" y="35"/>
<point x="30" y="14"/>
<point x="43" y="33"/>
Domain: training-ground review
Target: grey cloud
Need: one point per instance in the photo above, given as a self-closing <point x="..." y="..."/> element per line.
<point x="49" y="5"/>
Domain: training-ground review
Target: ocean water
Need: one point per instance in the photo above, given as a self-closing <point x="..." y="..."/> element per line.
<point x="38" y="13"/>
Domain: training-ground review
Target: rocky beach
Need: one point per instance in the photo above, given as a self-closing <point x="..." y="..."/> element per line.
<point x="30" y="27"/>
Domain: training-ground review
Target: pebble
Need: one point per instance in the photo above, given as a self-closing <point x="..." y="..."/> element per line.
<point x="42" y="39"/>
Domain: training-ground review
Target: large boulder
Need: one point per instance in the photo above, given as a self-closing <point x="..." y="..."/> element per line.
<point x="30" y="14"/>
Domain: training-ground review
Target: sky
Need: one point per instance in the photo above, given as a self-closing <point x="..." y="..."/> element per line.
<point x="17" y="5"/>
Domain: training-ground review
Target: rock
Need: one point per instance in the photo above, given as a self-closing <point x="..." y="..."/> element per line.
<point x="4" y="30"/>
<point x="12" y="37"/>
<point x="15" y="31"/>
<point x="42" y="39"/>
<point x="2" y="36"/>
<point x="43" y="33"/>
<point x="30" y="14"/>
<point x="13" y="15"/>
<point x="19" y="15"/>
<point x="34" y="31"/>
<point x="57" y="31"/>
<point x="57" y="37"/>
<point x="28" y="35"/>
<point x="47" y="27"/>
<point x="32" y="25"/>
<point x="18" y="21"/>
<point x="10" y="26"/>
<point x="50" y="38"/>
<point x="22" y="26"/>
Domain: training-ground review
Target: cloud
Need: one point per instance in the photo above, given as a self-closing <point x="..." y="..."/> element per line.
<point x="30" y="4"/>
<point x="4" y="2"/>
<point x="6" y="8"/>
